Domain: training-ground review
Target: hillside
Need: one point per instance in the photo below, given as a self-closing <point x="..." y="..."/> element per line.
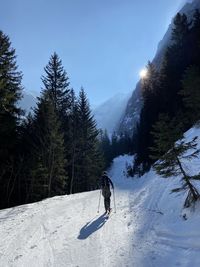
<point x="131" y="115"/>
<point x="109" y="113"/>
<point x="147" y="230"/>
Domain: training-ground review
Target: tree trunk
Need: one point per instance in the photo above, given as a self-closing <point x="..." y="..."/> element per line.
<point x="72" y="180"/>
<point x="193" y="190"/>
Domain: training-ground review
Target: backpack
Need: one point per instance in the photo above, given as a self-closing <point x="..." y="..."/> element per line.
<point x="106" y="187"/>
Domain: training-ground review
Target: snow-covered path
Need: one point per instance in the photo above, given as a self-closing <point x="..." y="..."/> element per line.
<point x="67" y="231"/>
<point x="147" y="229"/>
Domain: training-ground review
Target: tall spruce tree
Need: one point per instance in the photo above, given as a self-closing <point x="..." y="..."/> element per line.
<point x="10" y="94"/>
<point x="191" y="93"/>
<point x="48" y="175"/>
<point x="195" y="39"/>
<point x="171" y="154"/>
<point x="105" y="146"/>
<point x="56" y="83"/>
<point x="73" y="139"/>
<point x="89" y="161"/>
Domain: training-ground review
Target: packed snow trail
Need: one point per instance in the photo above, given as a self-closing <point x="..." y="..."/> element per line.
<point x="146" y="231"/>
<point x="67" y="231"/>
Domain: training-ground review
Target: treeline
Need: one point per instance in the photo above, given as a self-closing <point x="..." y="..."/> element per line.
<point x="171" y="92"/>
<point x="54" y="151"/>
<point x="114" y="145"/>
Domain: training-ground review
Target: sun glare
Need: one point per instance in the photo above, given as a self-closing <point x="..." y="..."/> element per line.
<point x="143" y="73"/>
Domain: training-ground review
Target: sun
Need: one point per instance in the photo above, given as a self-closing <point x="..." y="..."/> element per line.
<point x="143" y="73"/>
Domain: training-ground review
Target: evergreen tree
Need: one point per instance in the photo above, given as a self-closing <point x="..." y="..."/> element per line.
<point x="48" y="175"/>
<point x="149" y="114"/>
<point x="160" y="90"/>
<point x="191" y="93"/>
<point x="73" y="140"/>
<point x="10" y="94"/>
<point x="26" y="156"/>
<point x="180" y="29"/>
<point x="171" y="153"/>
<point x="195" y="39"/>
<point x="114" y="145"/>
<point x="89" y="162"/>
<point x="105" y="146"/>
<point x="56" y="83"/>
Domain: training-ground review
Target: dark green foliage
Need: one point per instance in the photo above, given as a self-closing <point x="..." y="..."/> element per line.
<point x="56" y="84"/>
<point x="171" y="154"/>
<point x="149" y="113"/>
<point x="47" y="176"/>
<point x="117" y="145"/>
<point x="52" y="152"/>
<point x="191" y="93"/>
<point x="10" y="93"/>
<point x="89" y="162"/>
<point x="105" y="145"/>
<point x="171" y="90"/>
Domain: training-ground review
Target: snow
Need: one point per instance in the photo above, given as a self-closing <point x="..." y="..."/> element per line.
<point x="148" y="228"/>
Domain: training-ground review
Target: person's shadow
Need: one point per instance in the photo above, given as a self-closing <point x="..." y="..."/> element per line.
<point x="92" y="227"/>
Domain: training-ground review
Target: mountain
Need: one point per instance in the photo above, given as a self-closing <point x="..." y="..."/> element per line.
<point x="28" y="101"/>
<point x="108" y="114"/>
<point x="149" y="227"/>
<point x="132" y="113"/>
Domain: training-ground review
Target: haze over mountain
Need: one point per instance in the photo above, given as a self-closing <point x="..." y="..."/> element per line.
<point x="108" y="114"/>
<point x="28" y="101"/>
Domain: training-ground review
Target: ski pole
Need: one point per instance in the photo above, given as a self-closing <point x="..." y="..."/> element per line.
<point x="114" y="199"/>
<point x="99" y="201"/>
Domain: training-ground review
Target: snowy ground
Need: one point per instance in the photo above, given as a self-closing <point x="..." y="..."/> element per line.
<point x="147" y="230"/>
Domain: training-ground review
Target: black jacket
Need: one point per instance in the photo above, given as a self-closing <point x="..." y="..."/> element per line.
<point x="106" y="181"/>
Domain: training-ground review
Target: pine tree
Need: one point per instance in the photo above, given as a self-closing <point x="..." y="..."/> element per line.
<point x="180" y="29"/>
<point x="191" y="93"/>
<point x="56" y="83"/>
<point x="195" y="39"/>
<point x="89" y="162"/>
<point x="73" y="140"/>
<point x="48" y="176"/>
<point x="10" y="94"/>
<point x="149" y="114"/>
<point x="105" y="147"/>
<point x="171" y="153"/>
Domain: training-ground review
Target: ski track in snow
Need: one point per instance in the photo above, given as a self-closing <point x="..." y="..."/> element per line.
<point x="146" y="231"/>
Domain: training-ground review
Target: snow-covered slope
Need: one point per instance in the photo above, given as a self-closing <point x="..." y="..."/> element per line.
<point x="146" y="230"/>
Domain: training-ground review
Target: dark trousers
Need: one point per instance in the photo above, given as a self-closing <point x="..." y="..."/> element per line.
<point x="107" y="203"/>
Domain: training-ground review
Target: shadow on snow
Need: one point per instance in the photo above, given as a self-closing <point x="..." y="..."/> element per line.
<point x="92" y="227"/>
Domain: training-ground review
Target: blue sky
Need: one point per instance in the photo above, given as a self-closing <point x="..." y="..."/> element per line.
<point x="103" y="44"/>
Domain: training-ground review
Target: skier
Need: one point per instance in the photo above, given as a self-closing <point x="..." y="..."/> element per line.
<point x="105" y="187"/>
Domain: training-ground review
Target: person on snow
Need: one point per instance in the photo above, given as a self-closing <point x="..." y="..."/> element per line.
<point x="105" y="187"/>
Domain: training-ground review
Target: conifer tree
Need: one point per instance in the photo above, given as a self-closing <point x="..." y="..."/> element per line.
<point x="191" y="93"/>
<point x="105" y="146"/>
<point x="171" y="154"/>
<point x="48" y="176"/>
<point x="73" y="139"/>
<point x="195" y="39"/>
<point x="10" y="94"/>
<point x="56" y="83"/>
<point x="89" y="162"/>
<point x="149" y="114"/>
